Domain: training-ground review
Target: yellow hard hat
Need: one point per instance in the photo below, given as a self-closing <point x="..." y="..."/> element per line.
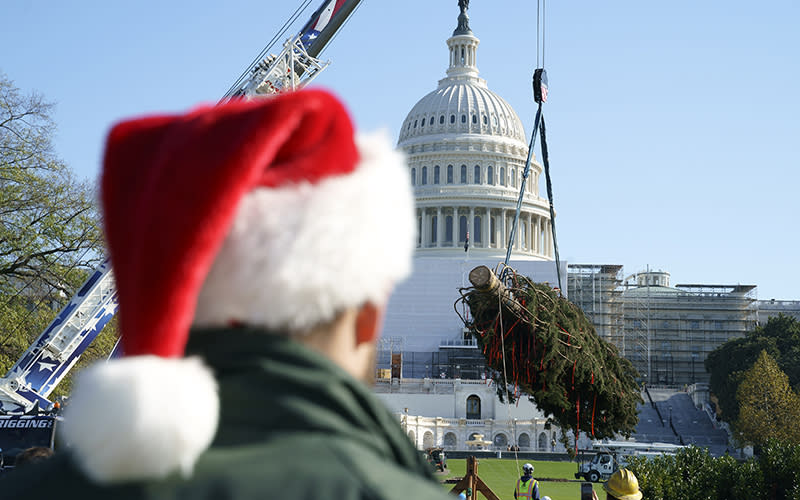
<point x="623" y="485"/>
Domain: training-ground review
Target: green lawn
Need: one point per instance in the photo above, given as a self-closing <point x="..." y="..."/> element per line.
<point x="501" y="476"/>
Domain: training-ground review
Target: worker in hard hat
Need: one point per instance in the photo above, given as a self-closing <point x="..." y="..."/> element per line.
<point x="622" y="485"/>
<point x="527" y="487"/>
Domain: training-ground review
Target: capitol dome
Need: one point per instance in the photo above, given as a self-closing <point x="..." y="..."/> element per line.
<point x="466" y="150"/>
<point x="459" y="107"/>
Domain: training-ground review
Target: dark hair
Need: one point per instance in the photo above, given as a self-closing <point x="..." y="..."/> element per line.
<point x="33" y="455"/>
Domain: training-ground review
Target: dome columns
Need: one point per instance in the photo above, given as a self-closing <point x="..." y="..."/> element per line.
<point x="463" y="55"/>
<point x="489" y="228"/>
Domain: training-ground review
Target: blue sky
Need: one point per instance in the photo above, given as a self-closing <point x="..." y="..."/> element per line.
<point x="673" y="127"/>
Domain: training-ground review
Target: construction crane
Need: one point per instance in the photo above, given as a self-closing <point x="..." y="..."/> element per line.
<point x="26" y="386"/>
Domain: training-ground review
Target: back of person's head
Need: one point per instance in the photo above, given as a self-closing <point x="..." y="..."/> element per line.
<point x="33" y="455"/>
<point x="527" y="469"/>
<point x="623" y="485"/>
<point x="266" y="214"/>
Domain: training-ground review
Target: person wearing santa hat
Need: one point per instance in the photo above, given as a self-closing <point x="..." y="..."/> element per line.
<point x="254" y="246"/>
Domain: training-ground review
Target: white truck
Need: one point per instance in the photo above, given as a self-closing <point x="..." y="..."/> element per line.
<point x="612" y="455"/>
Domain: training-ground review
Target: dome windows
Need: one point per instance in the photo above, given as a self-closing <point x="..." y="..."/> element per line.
<point x="436" y="174"/>
<point x="413" y="176"/>
<point x="463" y="174"/>
<point x="474" y="119"/>
<point x="449" y="174"/>
<point x="502" y="176"/>
<point x="452" y="119"/>
<point x="423" y="123"/>
<point x="415" y="123"/>
<point x="490" y="175"/>
<point x="441" y="120"/>
<point x="485" y="120"/>
<point x="463" y="118"/>
<point x="477" y="174"/>
<point x="424" y="175"/>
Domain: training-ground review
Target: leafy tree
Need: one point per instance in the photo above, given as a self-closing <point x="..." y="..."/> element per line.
<point x="49" y="234"/>
<point x="768" y="407"/>
<point x="780" y="337"/>
<point x="694" y="473"/>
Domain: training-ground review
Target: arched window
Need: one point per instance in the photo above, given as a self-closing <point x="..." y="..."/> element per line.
<point x="436" y="174"/>
<point x="513" y="177"/>
<point x="524" y="441"/>
<point x="422" y="124"/>
<point x="441" y="120"/>
<point x="477" y="229"/>
<point x="413" y="176"/>
<point x="500" y="440"/>
<point x="543" y="442"/>
<point x="477" y="174"/>
<point x="474" y="118"/>
<point x="473" y="407"/>
<point x="463" y="174"/>
<point x="450" y="440"/>
<point x="502" y="176"/>
<point x="448" y="230"/>
<point x="490" y="175"/>
<point x="427" y="440"/>
<point x="449" y="174"/>
<point x="424" y="175"/>
<point x="452" y="118"/>
<point x="415" y="123"/>
<point x="485" y="120"/>
<point x="463" y="118"/>
<point x="462" y="229"/>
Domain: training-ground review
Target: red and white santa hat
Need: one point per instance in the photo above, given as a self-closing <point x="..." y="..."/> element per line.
<point x="269" y="213"/>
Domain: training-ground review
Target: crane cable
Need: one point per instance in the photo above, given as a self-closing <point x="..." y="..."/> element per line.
<point x="540" y="96"/>
<point x="505" y="377"/>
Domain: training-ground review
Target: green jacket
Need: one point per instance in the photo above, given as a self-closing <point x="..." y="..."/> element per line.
<point x="293" y="425"/>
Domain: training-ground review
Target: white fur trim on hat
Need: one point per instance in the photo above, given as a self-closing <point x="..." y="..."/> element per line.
<point x="142" y="417"/>
<point x="297" y="255"/>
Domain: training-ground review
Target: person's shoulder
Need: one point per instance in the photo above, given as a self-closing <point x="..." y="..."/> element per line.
<point x="305" y="466"/>
<point x="385" y="479"/>
<point x="56" y="474"/>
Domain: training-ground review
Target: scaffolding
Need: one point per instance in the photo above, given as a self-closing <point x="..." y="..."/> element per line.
<point x="676" y="328"/>
<point x="597" y="290"/>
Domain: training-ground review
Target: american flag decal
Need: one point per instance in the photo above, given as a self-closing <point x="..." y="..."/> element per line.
<point x="314" y="27"/>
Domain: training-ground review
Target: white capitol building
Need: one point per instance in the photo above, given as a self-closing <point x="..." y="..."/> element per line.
<point x="466" y="150"/>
